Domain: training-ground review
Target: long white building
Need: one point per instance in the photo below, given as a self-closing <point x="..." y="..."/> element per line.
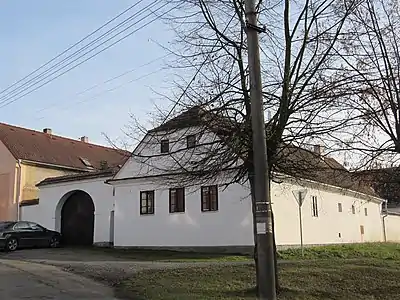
<point x="142" y="205"/>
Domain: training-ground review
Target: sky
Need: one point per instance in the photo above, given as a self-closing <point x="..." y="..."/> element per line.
<point x="33" y="32"/>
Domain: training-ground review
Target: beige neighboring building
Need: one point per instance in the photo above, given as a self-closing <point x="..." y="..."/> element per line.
<point x="28" y="156"/>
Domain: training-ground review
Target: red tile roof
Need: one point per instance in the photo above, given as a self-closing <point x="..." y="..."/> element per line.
<point x="36" y="146"/>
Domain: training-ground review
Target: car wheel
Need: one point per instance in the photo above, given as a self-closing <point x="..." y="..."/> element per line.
<point x="54" y="242"/>
<point x="12" y="244"/>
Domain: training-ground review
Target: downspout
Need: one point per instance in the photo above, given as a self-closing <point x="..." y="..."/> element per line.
<point x="19" y="179"/>
<point x="384" y="223"/>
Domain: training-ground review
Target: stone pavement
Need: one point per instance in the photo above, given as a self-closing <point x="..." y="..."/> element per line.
<point x="30" y="281"/>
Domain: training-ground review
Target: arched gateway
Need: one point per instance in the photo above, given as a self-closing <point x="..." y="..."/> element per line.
<point x="77" y="219"/>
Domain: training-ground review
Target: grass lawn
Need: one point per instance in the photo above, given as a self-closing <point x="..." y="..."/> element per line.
<point x="368" y="271"/>
<point x="367" y="250"/>
<point x="325" y="279"/>
<point x="169" y="256"/>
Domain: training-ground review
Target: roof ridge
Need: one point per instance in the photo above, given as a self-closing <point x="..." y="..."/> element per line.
<point x="58" y="136"/>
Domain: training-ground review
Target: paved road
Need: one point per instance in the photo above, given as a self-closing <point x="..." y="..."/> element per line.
<point x="29" y="281"/>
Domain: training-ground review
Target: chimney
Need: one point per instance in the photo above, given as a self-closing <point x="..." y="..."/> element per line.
<point x="84" y="139"/>
<point x="47" y="130"/>
<point x="318" y="149"/>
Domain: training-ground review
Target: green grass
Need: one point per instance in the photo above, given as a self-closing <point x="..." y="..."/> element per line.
<point x="367" y="250"/>
<point x="168" y="256"/>
<point x="357" y="271"/>
<point x="310" y="280"/>
<point x="347" y="251"/>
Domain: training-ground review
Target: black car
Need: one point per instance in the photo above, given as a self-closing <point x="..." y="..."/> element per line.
<point x="20" y="234"/>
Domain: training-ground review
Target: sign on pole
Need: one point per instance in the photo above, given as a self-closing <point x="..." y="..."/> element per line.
<point x="300" y="195"/>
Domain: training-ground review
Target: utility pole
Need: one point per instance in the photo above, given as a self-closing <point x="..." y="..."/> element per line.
<point x="265" y="245"/>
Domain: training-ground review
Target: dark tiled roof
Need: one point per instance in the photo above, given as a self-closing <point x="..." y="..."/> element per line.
<point x="386" y="182"/>
<point x="306" y="164"/>
<point x="79" y="176"/>
<point x="47" y="148"/>
<point x="191" y="117"/>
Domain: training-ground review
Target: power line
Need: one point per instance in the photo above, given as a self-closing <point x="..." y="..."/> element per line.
<point x="97" y="53"/>
<point x="70" y="47"/>
<point x="21" y="88"/>
<point x="108" y="81"/>
<point x="122" y="74"/>
<point x="109" y="90"/>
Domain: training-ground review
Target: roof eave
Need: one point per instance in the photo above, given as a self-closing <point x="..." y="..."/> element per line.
<point x="54" y="166"/>
<point x="72" y="179"/>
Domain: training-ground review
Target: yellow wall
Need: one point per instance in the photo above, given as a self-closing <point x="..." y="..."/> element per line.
<point x="32" y="175"/>
<point x="9" y="177"/>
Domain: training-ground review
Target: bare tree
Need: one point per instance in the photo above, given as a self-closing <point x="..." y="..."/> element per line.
<point x="371" y="57"/>
<point x="301" y="81"/>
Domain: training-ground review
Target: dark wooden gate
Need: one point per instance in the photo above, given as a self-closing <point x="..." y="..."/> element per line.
<point x="77" y="220"/>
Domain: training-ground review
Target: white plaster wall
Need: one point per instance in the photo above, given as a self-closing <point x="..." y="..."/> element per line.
<point x="232" y="224"/>
<point x="392" y="223"/>
<point x="325" y="228"/>
<point x="147" y="158"/>
<point x="30" y="213"/>
<point x="49" y="196"/>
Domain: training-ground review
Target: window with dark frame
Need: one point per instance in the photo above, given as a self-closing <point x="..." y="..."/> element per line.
<point x="164" y="146"/>
<point x="191" y="141"/>
<point x="147" y="203"/>
<point x="209" y="198"/>
<point x="366" y="211"/>
<point x="353" y="209"/>
<point x="177" y="200"/>
<point x="340" y="208"/>
<point x="314" y="206"/>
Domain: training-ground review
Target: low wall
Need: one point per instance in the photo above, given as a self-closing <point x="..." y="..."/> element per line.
<point x="392" y="227"/>
<point x="30" y="213"/>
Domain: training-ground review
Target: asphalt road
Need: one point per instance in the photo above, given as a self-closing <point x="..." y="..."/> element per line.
<point x="25" y="280"/>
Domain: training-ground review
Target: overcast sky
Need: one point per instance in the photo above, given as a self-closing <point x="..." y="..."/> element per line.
<point x="33" y="32"/>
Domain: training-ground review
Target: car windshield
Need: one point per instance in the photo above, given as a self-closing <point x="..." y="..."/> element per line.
<point x="5" y="225"/>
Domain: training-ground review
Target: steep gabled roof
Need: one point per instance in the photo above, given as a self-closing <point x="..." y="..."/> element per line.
<point x="36" y="146"/>
<point x="188" y="118"/>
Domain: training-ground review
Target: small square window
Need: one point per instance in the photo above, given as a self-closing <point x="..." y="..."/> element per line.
<point x="340" y="208"/>
<point x="164" y="146"/>
<point x="147" y="203"/>
<point x="177" y="200"/>
<point x="209" y="198"/>
<point x="191" y="141"/>
<point x="366" y="211"/>
<point x="353" y="209"/>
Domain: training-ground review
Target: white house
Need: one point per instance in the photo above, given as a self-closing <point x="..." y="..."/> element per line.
<point x="145" y="204"/>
